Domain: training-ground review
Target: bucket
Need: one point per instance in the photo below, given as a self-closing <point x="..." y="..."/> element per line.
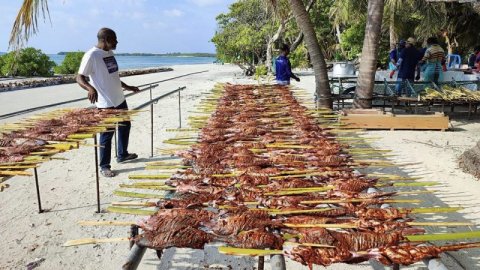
<point x="343" y="69"/>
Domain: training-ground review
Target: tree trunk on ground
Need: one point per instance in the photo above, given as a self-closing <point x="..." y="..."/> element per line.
<point x="279" y="33"/>
<point x="322" y="86"/>
<point x="368" y="64"/>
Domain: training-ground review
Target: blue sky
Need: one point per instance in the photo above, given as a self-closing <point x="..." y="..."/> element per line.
<point x="150" y="26"/>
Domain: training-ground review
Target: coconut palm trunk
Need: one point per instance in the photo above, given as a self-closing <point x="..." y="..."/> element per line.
<point x="368" y="64"/>
<point x="322" y="86"/>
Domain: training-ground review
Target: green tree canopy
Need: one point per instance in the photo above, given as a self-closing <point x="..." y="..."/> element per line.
<point x="243" y="32"/>
<point x="70" y="63"/>
<point x="27" y="62"/>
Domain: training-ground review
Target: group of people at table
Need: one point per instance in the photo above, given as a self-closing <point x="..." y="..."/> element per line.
<point x="408" y="61"/>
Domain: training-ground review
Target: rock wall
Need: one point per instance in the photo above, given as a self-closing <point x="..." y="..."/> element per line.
<point x="33" y="82"/>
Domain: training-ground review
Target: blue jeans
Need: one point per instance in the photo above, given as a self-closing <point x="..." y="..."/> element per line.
<point x="122" y="144"/>
<point x="401" y="85"/>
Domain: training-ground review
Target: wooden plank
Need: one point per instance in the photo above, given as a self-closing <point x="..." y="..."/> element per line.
<point x="395" y="122"/>
<point x="361" y="111"/>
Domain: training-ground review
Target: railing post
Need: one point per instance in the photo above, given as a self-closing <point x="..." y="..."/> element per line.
<point x="115" y="133"/>
<point x="97" y="177"/>
<point x="40" y="210"/>
<point x="179" y="110"/>
<point x="151" y="122"/>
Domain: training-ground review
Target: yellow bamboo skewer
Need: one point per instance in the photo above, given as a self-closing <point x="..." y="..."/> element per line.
<point x="94" y="241"/>
<point x="7" y="167"/>
<point x="14" y="173"/>
<point x="149" y="176"/>
<point x="360" y="200"/>
<point x="354" y="226"/>
<point x="155" y="187"/>
<point x="105" y="223"/>
<point x="142" y="204"/>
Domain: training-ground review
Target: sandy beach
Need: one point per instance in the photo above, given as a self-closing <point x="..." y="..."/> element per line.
<point x="68" y="186"/>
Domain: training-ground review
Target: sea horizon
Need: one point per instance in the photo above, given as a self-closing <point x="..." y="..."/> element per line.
<point x="149" y="61"/>
<point x="128" y="61"/>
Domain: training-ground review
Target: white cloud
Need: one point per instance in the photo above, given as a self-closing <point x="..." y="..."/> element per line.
<point x="173" y="12"/>
<point x="203" y="3"/>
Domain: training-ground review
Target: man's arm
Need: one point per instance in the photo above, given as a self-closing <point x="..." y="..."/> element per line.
<point x="393" y="56"/>
<point x="92" y="92"/>
<point x="291" y="73"/>
<point x="130" y="88"/>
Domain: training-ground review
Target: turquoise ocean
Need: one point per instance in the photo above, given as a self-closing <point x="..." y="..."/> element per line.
<point x="134" y="62"/>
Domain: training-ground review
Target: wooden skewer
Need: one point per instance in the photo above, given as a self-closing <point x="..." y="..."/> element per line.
<point x="354" y="226"/>
<point x="142" y="204"/>
<point x="360" y="200"/>
<point x="9" y="167"/>
<point x="13" y="173"/>
<point x="137" y="195"/>
<point x="94" y="241"/>
<point x="105" y="223"/>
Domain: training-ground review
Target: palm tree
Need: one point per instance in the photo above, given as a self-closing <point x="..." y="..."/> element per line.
<point x="368" y="65"/>
<point x="26" y="22"/>
<point x="322" y="86"/>
<point x="284" y="15"/>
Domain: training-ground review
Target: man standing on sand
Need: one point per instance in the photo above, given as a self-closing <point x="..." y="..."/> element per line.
<point x="406" y="65"/>
<point x="105" y="91"/>
<point x="283" y="68"/>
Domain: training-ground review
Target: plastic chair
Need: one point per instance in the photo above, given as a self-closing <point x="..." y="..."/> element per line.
<point x="454" y="61"/>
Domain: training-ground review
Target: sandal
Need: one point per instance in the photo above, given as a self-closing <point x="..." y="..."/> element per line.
<point x="106" y="172"/>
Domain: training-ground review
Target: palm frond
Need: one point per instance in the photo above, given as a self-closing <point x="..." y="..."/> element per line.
<point x="26" y="22"/>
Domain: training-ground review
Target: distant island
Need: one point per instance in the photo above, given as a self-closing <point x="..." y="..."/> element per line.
<point x="162" y="54"/>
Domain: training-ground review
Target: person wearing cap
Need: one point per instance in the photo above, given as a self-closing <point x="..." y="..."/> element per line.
<point x="283" y="68"/>
<point x="406" y="65"/>
<point x="394" y="54"/>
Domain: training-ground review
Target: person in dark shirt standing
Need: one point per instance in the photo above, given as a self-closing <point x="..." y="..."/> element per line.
<point x="406" y="65"/>
<point x="394" y="54"/>
<point x="474" y="58"/>
<point x="283" y="68"/>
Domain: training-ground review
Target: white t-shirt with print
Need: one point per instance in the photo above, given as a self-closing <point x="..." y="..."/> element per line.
<point x="102" y="68"/>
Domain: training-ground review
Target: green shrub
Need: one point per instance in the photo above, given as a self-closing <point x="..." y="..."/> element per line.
<point x="70" y="64"/>
<point x="2" y="62"/>
<point x="352" y="40"/>
<point x="27" y="62"/>
<point x="298" y="58"/>
<point x="261" y="70"/>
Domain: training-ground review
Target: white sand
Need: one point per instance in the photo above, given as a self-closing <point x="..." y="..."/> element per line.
<point x="68" y="186"/>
